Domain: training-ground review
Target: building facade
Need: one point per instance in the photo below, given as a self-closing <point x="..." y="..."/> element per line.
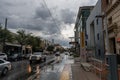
<point x="76" y="39"/>
<point x="111" y="12"/>
<point x="95" y="33"/>
<point x="80" y="27"/>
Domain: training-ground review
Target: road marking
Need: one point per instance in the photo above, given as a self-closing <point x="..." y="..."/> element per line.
<point x="65" y="75"/>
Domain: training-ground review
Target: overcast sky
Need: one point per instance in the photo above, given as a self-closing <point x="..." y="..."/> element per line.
<point x="34" y="16"/>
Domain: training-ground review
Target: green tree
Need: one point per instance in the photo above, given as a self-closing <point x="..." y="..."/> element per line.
<point x="28" y="39"/>
<point x="35" y="42"/>
<point x="50" y="48"/>
<point x="5" y="35"/>
<point x="21" y="37"/>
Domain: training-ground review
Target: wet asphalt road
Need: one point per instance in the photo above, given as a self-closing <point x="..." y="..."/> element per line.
<point x="19" y="69"/>
<point x="57" y="71"/>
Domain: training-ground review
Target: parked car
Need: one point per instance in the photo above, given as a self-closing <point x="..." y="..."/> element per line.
<point x="3" y="56"/>
<point x="27" y="56"/>
<point x="37" y="56"/>
<point x="5" y="66"/>
<point x="58" y="57"/>
<point x="15" y="57"/>
<point x="57" y="54"/>
<point x="71" y="53"/>
<point x="66" y="53"/>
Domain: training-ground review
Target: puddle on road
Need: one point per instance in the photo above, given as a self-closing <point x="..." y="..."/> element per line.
<point x="57" y="71"/>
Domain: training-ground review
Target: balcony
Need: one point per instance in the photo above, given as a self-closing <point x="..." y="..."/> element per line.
<point x="112" y="26"/>
<point x="112" y="6"/>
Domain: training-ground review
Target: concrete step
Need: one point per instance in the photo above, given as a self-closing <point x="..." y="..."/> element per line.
<point x="86" y="66"/>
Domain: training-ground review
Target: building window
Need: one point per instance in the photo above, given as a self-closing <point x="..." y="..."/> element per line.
<point x="107" y="2"/>
<point x="86" y="36"/>
<point x="97" y="21"/>
<point x="99" y="52"/>
<point x="86" y="43"/>
<point x="110" y="20"/>
<point x="98" y="36"/>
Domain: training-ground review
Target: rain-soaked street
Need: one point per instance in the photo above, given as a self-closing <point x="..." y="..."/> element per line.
<point x="55" y="71"/>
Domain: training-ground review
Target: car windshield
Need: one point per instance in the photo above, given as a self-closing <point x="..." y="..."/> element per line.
<point x="14" y="54"/>
<point x="2" y="54"/>
<point x="1" y="61"/>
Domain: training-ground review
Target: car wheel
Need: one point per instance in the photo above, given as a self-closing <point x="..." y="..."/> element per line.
<point x="4" y="72"/>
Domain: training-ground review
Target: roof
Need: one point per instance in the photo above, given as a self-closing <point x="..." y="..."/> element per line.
<point x="10" y="44"/>
<point x="80" y="10"/>
<point x="84" y="8"/>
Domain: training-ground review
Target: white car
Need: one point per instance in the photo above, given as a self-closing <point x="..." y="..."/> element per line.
<point x="3" y="56"/>
<point x="37" y="56"/>
<point x="5" y="66"/>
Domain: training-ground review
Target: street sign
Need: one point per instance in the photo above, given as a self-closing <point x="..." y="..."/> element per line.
<point x="73" y="42"/>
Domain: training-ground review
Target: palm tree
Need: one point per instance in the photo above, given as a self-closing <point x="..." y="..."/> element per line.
<point x="21" y="37"/>
<point x="35" y="42"/>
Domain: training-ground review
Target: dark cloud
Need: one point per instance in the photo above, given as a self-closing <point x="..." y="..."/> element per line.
<point x="37" y="18"/>
<point x="48" y="27"/>
<point x="42" y="12"/>
<point x="67" y="16"/>
<point x="29" y="15"/>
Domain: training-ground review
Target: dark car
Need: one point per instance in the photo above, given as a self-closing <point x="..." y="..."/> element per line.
<point x="71" y="53"/>
<point x="57" y="54"/>
<point x="15" y="57"/>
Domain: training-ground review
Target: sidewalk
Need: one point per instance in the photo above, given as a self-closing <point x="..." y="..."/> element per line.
<point x="78" y="73"/>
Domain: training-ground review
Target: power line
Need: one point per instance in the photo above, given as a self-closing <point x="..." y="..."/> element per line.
<point x="51" y="16"/>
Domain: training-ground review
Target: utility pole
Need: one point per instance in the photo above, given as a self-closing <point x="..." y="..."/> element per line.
<point x="5" y="23"/>
<point x="4" y="40"/>
<point x="53" y="41"/>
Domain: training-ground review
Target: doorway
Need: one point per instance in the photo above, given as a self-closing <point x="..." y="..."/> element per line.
<point x="112" y="45"/>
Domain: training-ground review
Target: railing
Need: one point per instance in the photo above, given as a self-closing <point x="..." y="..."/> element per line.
<point x="99" y="68"/>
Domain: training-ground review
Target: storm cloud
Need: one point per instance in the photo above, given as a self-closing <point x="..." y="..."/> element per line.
<point x="34" y="16"/>
<point x="42" y="12"/>
<point x="67" y="16"/>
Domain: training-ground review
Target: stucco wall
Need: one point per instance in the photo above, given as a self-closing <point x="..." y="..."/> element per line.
<point x="99" y="44"/>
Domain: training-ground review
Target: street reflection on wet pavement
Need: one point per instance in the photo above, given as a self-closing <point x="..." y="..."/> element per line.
<point x="56" y="71"/>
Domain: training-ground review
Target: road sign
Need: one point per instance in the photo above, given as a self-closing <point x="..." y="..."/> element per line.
<point x="73" y="42"/>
